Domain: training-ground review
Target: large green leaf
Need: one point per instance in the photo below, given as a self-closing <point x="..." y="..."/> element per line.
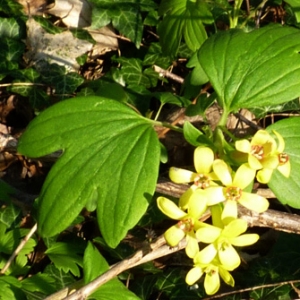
<point x="110" y="160"/>
<point x="184" y="18"/>
<point x="287" y="190"/>
<point x="253" y="69"/>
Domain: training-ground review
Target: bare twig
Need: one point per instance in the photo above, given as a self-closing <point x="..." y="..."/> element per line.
<point x="148" y="253"/>
<point x="167" y="74"/>
<point x="19" y="248"/>
<point x="278" y="284"/>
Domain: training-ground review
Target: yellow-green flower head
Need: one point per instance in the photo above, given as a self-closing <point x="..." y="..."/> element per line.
<point x="265" y="155"/>
<point x="203" y="160"/>
<point x="221" y="242"/>
<point x="232" y="190"/>
<point x="188" y="222"/>
<point x="212" y="272"/>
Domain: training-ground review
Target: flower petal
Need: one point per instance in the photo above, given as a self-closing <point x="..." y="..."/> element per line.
<point x="216" y="215"/>
<point x="192" y="247"/>
<point x="235" y="228"/>
<point x="214" y="195"/>
<point x="270" y="162"/>
<point x="228" y="256"/>
<point x="226" y="276"/>
<point x="230" y="211"/>
<point x="203" y="160"/>
<point x="212" y="281"/>
<point x="281" y="143"/>
<point x="261" y="137"/>
<point x="178" y="175"/>
<point x="244" y="240"/>
<point x="243" y="146"/>
<point x="254" y="202"/>
<point x="254" y="163"/>
<point x="193" y="275"/>
<point x="264" y="175"/>
<point x="285" y="169"/>
<point x="170" y="209"/>
<point x="185" y="197"/>
<point x="243" y="176"/>
<point x="197" y="204"/>
<point x="208" y="234"/>
<point x="206" y="255"/>
<point x="174" y="235"/>
<point x="222" y="170"/>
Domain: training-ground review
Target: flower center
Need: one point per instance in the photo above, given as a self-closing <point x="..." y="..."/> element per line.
<point x="211" y="271"/>
<point x="186" y="225"/>
<point x="257" y="151"/>
<point x="233" y="193"/>
<point x="202" y="181"/>
<point x="283" y="158"/>
<point x="223" y="246"/>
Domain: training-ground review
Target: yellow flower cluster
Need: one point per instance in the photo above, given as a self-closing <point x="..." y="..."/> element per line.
<point x="217" y="187"/>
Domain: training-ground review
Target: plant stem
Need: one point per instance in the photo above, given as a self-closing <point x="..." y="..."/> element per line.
<point x="167" y="125"/>
<point x="158" y="112"/>
<point x="235" y="13"/>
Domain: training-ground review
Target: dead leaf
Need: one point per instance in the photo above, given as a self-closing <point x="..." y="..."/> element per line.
<point x="33" y="7"/>
<point x="74" y="13"/>
<point x="62" y="48"/>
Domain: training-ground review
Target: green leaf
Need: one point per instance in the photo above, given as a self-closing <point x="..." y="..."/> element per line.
<point x="132" y="73"/>
<point x="155" y="56"/>
<point x="198" y="76"/>
<point x="125" y="15"/>
<point x="9" y="240"/>
<point x="39" y="283"/>
<point x="113" y="290"/>
<point x="61" y="278"/>
<point x="8" y="214"/>
<point x="6" y="191"/>
<point x="287" y="189"/>
<point x="172" y="99"/>
<point x="11" y="8"/>
<point x="66" y="257"/>
<point x="10" y="288"/>
<point x="261" y="112"/>
<point x="238" y="74"/>
<point x="11" y="51"/>
<point x="106" y="147"/>
<point x="296" y="8"/>
<point x="202" y="104"/>
<point x="63" y="83"/>
<point x="9" y="28"/>
<point x="183" y="19"/>
<point x="95" y="265"/>
<point x="194" y="136"/>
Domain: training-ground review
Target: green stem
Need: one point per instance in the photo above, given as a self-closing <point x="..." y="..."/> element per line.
<point x="253" y="13"/>
<point x="235" y="13"/>
<point x="219" y="139"/>
<point x="167" y="125"/>
<point x="158" y="112"/>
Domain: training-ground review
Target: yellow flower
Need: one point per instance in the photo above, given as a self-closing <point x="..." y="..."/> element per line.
<point x="203" y="160"/>
<point x="265" y="155"/>
<point x="213" y="271"/>
<point x="221" y="242"/>
<point x="202" y="178"/>
<point x="188" y="222"/>
<point x="233" y="192"/>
